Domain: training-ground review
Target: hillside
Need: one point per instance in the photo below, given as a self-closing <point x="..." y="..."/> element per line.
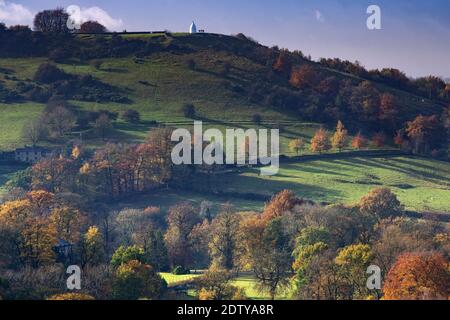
<point x="229" y="80"/>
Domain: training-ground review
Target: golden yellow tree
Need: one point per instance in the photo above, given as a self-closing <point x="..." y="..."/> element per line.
<point x="339" y="139"/>
<point x="296" y="145"/>
<point x="68" y="223"/>
<point x="33" y="235"/>
<point x="93" y="250"/>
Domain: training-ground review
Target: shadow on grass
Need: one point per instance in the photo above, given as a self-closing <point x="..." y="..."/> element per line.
<point x="305" y="167"/>
<point x="415" y="173"/>
<point x="269" y="186"/>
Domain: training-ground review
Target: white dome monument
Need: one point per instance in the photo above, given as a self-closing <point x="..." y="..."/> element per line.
<point x="193" y="28"/>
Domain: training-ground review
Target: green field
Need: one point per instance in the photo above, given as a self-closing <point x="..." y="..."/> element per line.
<point x="249" y="284"/>
<point x="5" y="174"/>
<point x="173" y="279"/>
<point x="420" y="184"/>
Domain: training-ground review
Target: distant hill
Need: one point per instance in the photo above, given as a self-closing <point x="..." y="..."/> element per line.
<point x="227" y="78"/>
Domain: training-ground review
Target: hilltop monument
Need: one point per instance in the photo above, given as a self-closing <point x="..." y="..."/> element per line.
<point x="193" y="28"/>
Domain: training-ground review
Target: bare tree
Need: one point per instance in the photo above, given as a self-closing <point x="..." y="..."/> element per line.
<point x="34" y="130"/>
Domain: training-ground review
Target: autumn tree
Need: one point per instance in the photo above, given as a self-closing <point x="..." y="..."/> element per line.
<point x="310" y="259"/>
<point x="353" y="262"/>
<point x="431" y="86"/>
<point x="379" y="139"/>
<point x="280" y="203"/>
<point x="31" y="236"/>
<point x="92" y="247"/>
<point x="359" y="142"/>
<point x="320" y="142"/>
<point x="68" y="223"/>
<point x="426" y="133"/>
<point x="402" y="235"/>
<point x="339" y="139"/>
<point x="388" y="109"/>
<point x="418" y="276"/>
<point x="139" y="227"/>
<point x="224" y="247"/>
<point x="54" y="174"/>
<point x="365" y="102"/>
<point x="134" y="280"/>
<point x="296" y="145"/>
<point x="272" y="259"/>
<point x="381" y="203"/>
<point x="267" y="252"/>
<point x="215" y="285"/>
<point x="181" y="221"/>
<point x="283" y="63"/>
<point x="303" y="77"/>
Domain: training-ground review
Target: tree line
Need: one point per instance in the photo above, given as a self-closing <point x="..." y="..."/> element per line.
<point x="292" y="248"/>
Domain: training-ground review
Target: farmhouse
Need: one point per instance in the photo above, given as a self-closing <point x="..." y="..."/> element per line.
<point x="31" y="154"/>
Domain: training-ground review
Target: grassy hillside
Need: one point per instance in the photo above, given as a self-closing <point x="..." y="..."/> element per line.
<point x="158" y="84"/>
<point x="421" y="184"/>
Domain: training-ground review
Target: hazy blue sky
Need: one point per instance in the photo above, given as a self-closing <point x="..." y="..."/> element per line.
<point x="415" y="35"/>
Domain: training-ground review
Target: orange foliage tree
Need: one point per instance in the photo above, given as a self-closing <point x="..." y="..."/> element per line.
<point x="279" y="204"/>
<point x="418" y="276"/>
<point x="388" y="108"/>
<point x="320" y="142"/>
<point x="425" y="132"/>
<point x="304" y="76"/>
<point x="359" y="142"/>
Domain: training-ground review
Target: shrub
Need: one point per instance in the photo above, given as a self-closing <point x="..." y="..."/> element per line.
<point x="92" y="27"/>
<point x="134" y="280"/>
<point x="49" y="73"/>
<point x="131" y="116"/>
<point x="38" y="94"/>
<point x="256" y="118"/>
<point x="71" y="296"/>
<point x="58" y="55"/>
<point x="179" y="270"/>
<point x="189" y="110"/>
<point x="97" y="64"/>
<point x="124" y="255"/>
